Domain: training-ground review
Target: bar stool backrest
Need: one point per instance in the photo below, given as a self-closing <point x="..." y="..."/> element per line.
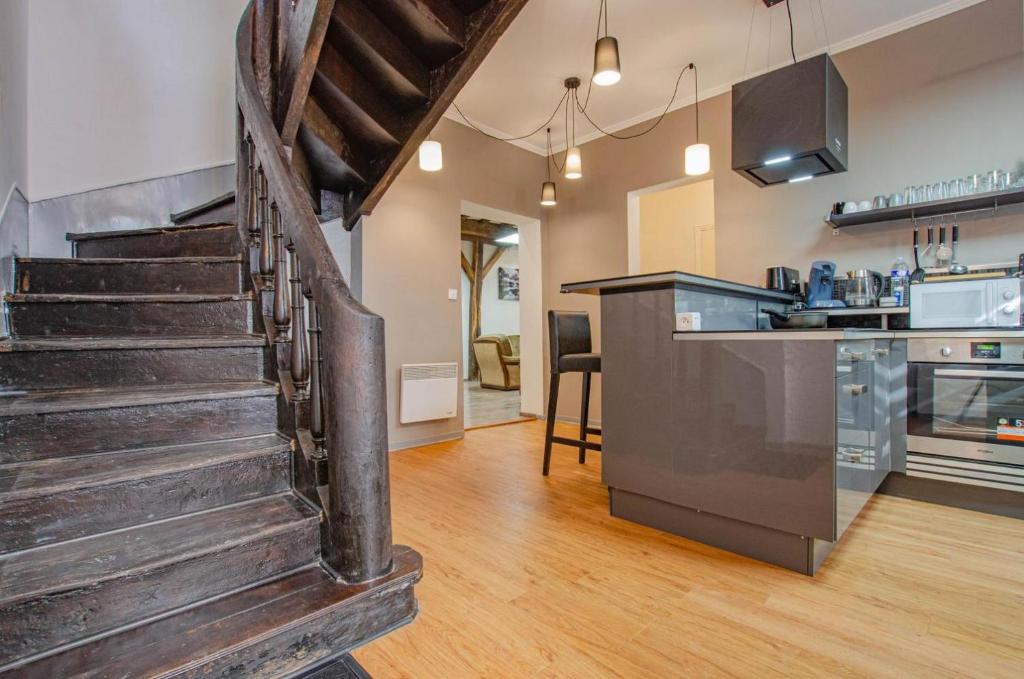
<point x="569" y="333"/>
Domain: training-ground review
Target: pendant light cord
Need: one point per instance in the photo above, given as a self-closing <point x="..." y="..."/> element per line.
<point x="525" y="136"/>
<point x="789" y="13"/>
<point x="696" y="106"/>
<point x="675" y="91"/>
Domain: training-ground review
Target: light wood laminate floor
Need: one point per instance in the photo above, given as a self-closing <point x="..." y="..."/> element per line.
<point x="526" y="576"/>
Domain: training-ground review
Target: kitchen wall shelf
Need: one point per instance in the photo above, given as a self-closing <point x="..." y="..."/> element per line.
<point x="935" y="208"/>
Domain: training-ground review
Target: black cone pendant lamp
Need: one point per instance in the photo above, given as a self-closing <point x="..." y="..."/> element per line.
<point x="606" y="53"/>
<point x="547" y="191"/>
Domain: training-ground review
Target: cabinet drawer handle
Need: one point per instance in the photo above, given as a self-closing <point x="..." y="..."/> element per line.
<point x="880" y="352"/>
<point x="851" y="355"/>
<point x="854" y="389"/>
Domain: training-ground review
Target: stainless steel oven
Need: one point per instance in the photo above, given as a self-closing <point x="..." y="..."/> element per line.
<point x="965" y="410"/>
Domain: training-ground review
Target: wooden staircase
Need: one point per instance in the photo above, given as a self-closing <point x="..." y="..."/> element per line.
<point x="148" y="521"/>
<point x="193" y="432"/>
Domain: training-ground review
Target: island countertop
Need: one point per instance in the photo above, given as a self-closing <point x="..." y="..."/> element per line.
<point x="675" y="279"/>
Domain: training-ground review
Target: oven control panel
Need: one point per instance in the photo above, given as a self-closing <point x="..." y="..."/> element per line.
<point x="1001" y="351"/>
<point x="986" y="349"/>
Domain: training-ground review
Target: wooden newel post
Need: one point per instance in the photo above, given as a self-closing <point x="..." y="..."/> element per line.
<point x="282" y="312"/>
<point x="316" y="396"/>
<point x="357" y="435"/>
<point x="252" y="214"/>
<point x="299" y="365"/>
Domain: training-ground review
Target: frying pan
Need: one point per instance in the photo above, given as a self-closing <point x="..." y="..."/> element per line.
<point x="801" y="321"/>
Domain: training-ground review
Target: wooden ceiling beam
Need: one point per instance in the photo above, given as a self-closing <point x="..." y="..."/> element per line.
<point x="486" y="231"/>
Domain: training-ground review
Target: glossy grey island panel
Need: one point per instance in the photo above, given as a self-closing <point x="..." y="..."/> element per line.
<point x="729" y="441"/>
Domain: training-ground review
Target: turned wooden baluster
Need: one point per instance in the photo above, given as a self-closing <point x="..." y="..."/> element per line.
<point x="266" y="237"/>
<point x="316" y="394"/>
<point x="299" y="357"/>
<point x="254" y="193"/>
<point x="282" y="312"/>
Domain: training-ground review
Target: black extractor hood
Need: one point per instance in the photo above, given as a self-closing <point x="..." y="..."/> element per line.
<point x="790" y="124"/>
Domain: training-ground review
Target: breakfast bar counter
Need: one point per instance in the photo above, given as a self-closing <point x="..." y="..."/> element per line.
<point x="766" y="448"/>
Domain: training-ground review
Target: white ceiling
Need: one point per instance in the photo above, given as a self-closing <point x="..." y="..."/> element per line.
<point x="519" y="82"/>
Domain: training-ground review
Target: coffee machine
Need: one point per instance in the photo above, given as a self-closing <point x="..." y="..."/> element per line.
<point x="819" y="286"/>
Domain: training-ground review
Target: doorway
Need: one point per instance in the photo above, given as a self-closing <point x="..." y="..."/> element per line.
<point x="501" y="316"/>
<point x="672" y="228"/>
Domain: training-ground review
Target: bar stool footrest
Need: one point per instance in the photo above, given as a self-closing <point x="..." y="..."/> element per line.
<point x="576" y="443"/>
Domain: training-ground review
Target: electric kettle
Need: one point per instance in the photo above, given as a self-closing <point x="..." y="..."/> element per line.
<point x="863" y="287"/>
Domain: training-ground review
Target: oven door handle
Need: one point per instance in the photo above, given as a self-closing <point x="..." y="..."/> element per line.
<point x="960" y="372"/>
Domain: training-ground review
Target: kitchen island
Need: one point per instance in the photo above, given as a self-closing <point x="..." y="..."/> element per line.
<point x="763" y="442"/>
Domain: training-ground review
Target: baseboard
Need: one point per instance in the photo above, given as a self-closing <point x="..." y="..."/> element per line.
<point x="430" y="440"/>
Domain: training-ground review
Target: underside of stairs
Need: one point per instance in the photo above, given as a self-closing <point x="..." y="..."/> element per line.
<point x="149" y="522"/>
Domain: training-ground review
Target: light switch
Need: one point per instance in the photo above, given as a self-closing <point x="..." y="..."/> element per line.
<point x="453" y="294"/>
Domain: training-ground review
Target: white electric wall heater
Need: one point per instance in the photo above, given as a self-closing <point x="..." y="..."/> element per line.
<point x="430" y="391"/>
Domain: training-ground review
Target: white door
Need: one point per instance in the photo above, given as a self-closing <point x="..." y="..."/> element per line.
<point x="704" y="249"/>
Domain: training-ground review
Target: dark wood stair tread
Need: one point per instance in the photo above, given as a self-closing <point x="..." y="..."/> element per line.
<point x="123" y="298"/>
<point x="58" y="343"/>
<point x="132" y="551"/>
<point x="148" y="231"/>
<point x="69" y="400"/>
<point x="193" y="638"/>
<point x="212" y="259"/>
<point x="19" y="480"/>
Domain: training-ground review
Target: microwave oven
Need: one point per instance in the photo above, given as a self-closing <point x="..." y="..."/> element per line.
<point x="980" y="303"/>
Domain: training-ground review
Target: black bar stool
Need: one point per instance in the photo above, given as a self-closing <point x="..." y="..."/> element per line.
<point x="571" y="352"/>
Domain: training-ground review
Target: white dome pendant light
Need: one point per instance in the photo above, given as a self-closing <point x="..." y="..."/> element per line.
<point x="697" y="155"/>
<point x="547" y="190"/>
<point x="606" y="52"/>
<point x="573" y="156"/>
<point x="430" y="156"/>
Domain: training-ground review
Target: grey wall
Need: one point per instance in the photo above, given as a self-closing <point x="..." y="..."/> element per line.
<point x="126" y="206"/>
<point x="937" y="101"/>
<point x="13" y="138"/>
<point x="410" y="255"/>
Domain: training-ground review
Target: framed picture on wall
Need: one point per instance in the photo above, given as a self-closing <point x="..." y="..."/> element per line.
<point x="508" y="283"/>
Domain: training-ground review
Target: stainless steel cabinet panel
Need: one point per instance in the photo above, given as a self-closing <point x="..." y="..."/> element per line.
<point x="862" y="425"/>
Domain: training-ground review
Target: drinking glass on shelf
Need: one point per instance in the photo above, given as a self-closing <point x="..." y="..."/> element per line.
<point x="908" y="195"/>
<point x="937" y="192"/>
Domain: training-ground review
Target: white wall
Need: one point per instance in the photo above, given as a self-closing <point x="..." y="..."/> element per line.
<point x="498" y="316"/>
<point x="124" y="90"/>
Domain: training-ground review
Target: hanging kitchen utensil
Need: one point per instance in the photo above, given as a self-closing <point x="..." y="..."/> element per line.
<point x="917" y="275"/>
<point x="942" y="253"/>
<point x="931" y="244"/>
<point x="955" y="267"/>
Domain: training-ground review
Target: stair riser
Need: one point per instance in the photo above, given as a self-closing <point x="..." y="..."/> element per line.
<point x="42" y="520"/>
<point x="38" y="624"/>
<point x="130" y="367"/>
<point x="214" y="242"/>
<point x="42" y="436"/>
<point x="338" y="630"/>
<point x="130" y="277"/>
<point x="86" y="319"/>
